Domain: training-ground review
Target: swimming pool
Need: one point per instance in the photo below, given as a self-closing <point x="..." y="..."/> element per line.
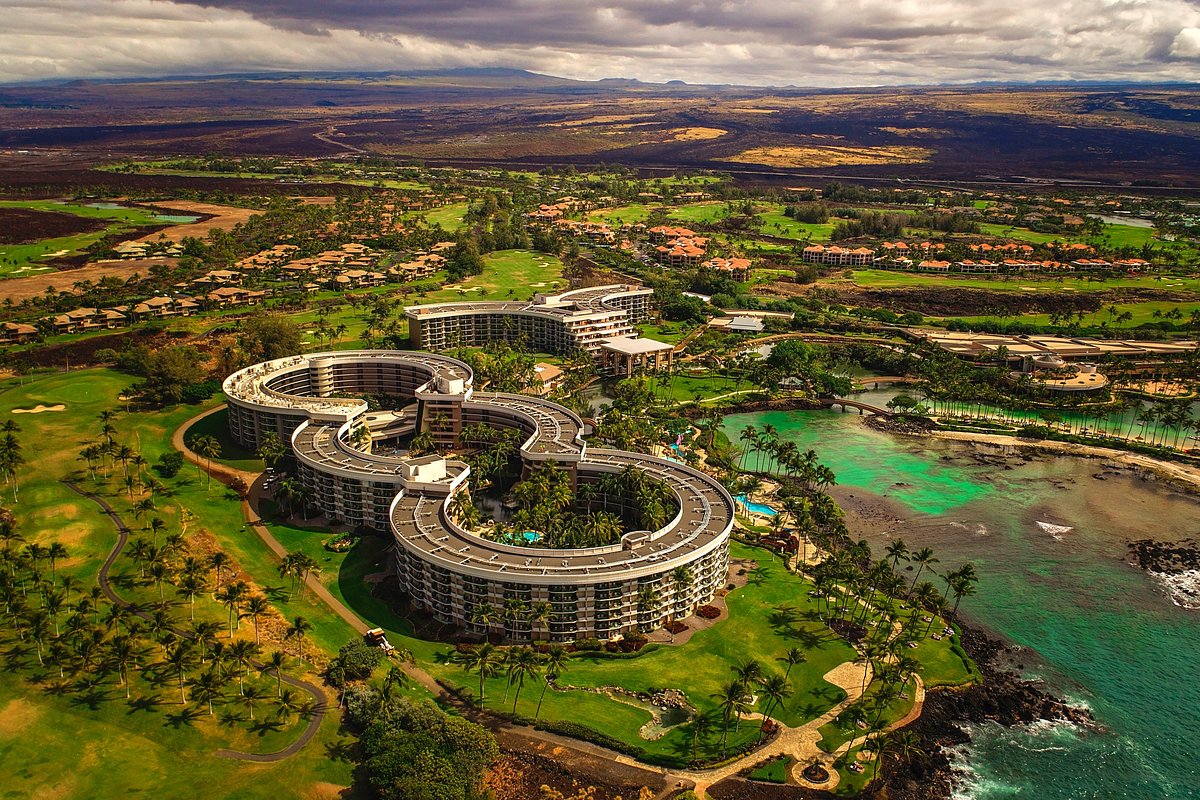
<point x="755" y="508"/>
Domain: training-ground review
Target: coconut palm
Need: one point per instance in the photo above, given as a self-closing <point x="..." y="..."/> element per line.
<point x="922" y="558"/>
<point x="776" y="689"/>
<point x="731" y="700"/>
<point x="791" y="658"/>
<point x="483" y="658"/>
<point x="180" y="659"/>
<point x="275" y="663"/>
<point x="555" y="663"/>
<point x="701" y="726"/>
<point x="297" y="631"/>
<point x="256" y="607"/>
<point x="522" y="663"/>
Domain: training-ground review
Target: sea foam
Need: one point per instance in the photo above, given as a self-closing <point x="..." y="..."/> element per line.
<point x="1055" y="531"/>
<point x="1182" y="587"/>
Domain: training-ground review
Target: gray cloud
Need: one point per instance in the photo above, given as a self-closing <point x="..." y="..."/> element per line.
<point x="803" y="42"/>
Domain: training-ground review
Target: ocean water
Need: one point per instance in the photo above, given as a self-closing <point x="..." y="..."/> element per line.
<point x="1049" y="540"/>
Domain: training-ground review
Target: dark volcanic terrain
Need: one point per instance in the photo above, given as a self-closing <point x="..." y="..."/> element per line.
<point x="1080" y="134"/>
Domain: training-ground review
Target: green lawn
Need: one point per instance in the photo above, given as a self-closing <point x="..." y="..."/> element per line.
<point x="27" y="259"/>
<point x="774" y="223"/>
<point x="699" y="213"/>
<point x="449" y="217"/>
<point x="774" y="771"/>
<point x="878" y="278"/>
<point x="1143" y="313"/>
<point x="94" y="743"/>
<point x="772" y="613"/>
<point x="507" y="275"/>
<point x="622" y="215"/>
<point x="768" y="616"/>
<point x="671" y="332"/>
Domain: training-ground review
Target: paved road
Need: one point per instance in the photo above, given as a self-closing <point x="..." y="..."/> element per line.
<point x="319" y="705"/>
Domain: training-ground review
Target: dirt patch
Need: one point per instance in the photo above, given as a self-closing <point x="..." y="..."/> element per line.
<point x="38" y="409"/>
<point x="17" y="716"/>
<point x="220" y="217"/>
<point x="18" y="289"/>
<point x="324" y="791"/>
<point x="25" y="225"/>
<point x="830" y="156"/>
<point x="560" y="773"/>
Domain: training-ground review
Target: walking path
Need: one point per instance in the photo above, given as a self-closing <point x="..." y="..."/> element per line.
<point x="102" y="577"/>
<point x="255" y="522"/>
<point x="800" y="742"/>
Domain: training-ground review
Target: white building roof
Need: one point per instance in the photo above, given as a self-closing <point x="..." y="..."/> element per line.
<point x="635" y="347"/>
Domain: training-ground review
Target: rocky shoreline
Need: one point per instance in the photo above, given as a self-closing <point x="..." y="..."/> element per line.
<point x="1004" y="697"/>
<point x="1175" y="565"/>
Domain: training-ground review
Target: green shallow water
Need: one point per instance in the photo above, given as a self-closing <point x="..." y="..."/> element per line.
<point x="866" y="458"/>
<point x="1049" y="539"/>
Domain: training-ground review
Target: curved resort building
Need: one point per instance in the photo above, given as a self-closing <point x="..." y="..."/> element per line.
<point x="344" y="456"/>
<point x="582" y="319"/>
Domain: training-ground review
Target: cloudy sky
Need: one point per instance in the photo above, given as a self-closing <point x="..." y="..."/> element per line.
<point x="762" y="42"/>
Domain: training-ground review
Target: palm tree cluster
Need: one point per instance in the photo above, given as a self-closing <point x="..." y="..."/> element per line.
<point x="594" y="514"/>
<point x="518" y="617"/>
<point x="89" y="640"/>
<point x="773" y="456"/>
<point x="11" y="458"/>
<point x="494" y="452"/>
<point x="518" y="665"/>
<point x="293" y="494"/>
<point x="297" y="567"/>
<point x="751" y="684"/>
<point x="102" y="456"/>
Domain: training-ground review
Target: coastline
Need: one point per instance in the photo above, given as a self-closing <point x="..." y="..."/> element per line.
<point x="1003" y="697"/>
<point x="1184" y="475"/>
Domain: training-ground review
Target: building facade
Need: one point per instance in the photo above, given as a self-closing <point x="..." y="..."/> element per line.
<point x="450" y="571"/>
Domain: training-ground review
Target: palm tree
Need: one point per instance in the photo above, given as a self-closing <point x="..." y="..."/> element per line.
<point x="791" y="658"/>
<point x="776" y="689"/>
<point x="275" y="663"/>
<point x="731" y="700"/>
<point x="257" y="606"/>
<point x="180" y="659"/>
<point x="297" y="630"/>
<point x="482" y="658"/>
<point x="701" y="726"/>
<point x="522" y="663"/>
<point x="288" y="704"/>
<point x="54" y="552"/>
<point x="191" y="584"/>
<point x="555" y="664"/>
<point x="880" y="745"/>
<point x="218" y="561"/>
<point x="241" y="653"/>
<point x="922" y="558"/>
<point x="208" y="448"/>
<point x="231" y="597"/>
<point x="209" y="686"/>
<point x="251" y="696"/>
<point x="539" y="614"/>
<point x="123" y="653"/>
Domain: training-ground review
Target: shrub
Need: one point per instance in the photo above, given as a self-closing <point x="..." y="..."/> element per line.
<point x="589" y="644"/>
<point x="356" y="660"/>
<point x="708" y="612"/>
<point x="578" y="731"/>
<point x="169" y="464"/>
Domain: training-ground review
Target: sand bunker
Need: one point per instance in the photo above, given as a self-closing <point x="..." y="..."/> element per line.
<point x="38" y="409"/>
